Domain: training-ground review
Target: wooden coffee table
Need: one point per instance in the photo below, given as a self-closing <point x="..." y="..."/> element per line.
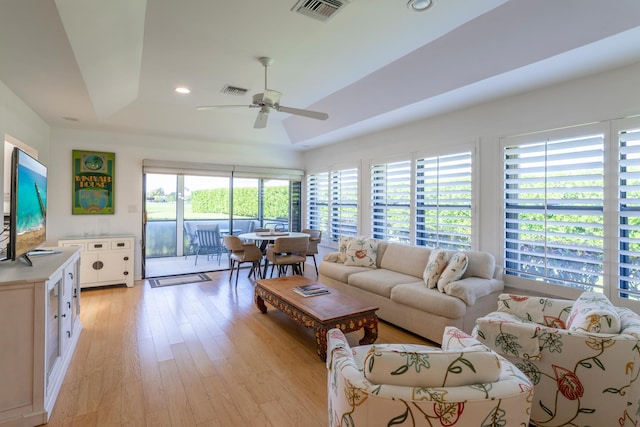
<point x="322" y="312"/>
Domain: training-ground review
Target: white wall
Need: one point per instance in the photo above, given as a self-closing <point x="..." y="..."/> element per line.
<point x="604" y="96"/>
<point x="131" y="150"/>
<point x="19" y="122"/>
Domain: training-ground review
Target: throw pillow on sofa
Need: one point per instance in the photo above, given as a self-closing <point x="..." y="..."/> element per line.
<point x="362" y="252"/>
<point x="394" y="364"/>
<point x="435" y="266"/>
<point x="343" y="242"/>
<point x="594" y="313"/>
<point x="454" y="270"/>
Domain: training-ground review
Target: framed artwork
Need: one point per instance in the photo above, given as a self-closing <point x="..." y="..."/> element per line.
<point x="93" y="182"/>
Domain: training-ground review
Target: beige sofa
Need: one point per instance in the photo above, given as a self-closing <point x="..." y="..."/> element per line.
<point x="397" y="287"/>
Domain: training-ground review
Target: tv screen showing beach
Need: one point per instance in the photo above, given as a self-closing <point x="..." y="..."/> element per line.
<point x="30" y="204"/>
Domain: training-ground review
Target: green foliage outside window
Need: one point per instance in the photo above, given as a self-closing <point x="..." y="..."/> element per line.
<point x="245" y="201"/>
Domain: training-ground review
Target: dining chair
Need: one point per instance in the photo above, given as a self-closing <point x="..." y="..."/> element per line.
<point x="263" y="243"/>
<point x="192" y="239"/>
<point x="242" y="252"/>
<point x="288" y="251"/>
<point x="314" y="238"/>
<point x="208" y="242"/>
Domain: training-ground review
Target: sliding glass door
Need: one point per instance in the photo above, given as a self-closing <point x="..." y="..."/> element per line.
<point x="179" y="207"/>
<point x="176" y="206"/>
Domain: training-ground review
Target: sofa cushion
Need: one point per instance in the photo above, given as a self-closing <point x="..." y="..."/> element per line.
<point x="362" y="252"/>
<point x="456" y="266"/>
<point x="472" y="288"/>
<point x="430" y="367"/>
<point x="593" y="312"/>
<point x="435" y="266"/>
<point x="481" y="264"/>
<point x="405" y="259"/>
<point x="418" y="296"/>
<point x="379" y="281"/>
<point x="338" y="271"/>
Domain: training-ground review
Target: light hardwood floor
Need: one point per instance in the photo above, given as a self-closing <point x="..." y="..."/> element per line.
<point x="199" y="354"/>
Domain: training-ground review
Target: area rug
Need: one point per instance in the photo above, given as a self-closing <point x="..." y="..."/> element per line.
<point x="178" y="280"/>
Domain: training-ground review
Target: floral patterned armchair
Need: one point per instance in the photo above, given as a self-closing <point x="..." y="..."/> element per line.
<point x="462" y="384"/>
<point x="582" y="356"/>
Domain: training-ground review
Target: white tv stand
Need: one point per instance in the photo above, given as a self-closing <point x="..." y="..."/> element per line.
<point x="40" y="317"/>
<point x="104" y="260"/>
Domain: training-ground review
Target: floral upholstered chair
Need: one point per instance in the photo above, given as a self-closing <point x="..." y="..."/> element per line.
<point x="582" y="356"/>
<point x="462" y="384"/>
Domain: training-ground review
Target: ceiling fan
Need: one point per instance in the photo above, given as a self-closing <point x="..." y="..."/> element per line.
<point x="268" y="100"/>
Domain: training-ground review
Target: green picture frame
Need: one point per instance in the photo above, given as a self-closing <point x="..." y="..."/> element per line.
<point x="93" y="183"/>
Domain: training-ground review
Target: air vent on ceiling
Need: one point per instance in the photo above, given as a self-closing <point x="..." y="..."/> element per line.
<point x="233" y="90"/>
<point x="321" y="10"/>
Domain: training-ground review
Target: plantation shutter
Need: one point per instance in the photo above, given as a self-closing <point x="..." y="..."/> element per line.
<point x="318" y="202"/>
<point x="629" y="213"/>
<point x="344" y="203"/>
<point x="391" y="201"/>
<point x="444" y="201"/>
<point x="554" y="196"/>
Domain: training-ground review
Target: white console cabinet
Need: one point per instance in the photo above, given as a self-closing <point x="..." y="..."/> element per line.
<point x="40" y="326"/>
<point x="104" y="260"/>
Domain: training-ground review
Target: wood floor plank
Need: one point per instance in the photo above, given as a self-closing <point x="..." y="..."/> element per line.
<point x="198" y="354"/>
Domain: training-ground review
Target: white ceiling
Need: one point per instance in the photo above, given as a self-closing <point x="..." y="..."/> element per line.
<point x="113" y="65"/>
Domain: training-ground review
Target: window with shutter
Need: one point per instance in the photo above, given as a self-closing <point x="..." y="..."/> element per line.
<point x="391" y="201"/>
<point x="344" y="203"/>
<point x="443" y="201"/>
<point x="554" y="197"/>
<point x="318" y="202"/>
<point x="629" y="213"/>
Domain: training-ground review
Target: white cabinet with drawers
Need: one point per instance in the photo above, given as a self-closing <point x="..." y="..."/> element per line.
<point x="40" y="317"/>
<point x="104" y="260"/>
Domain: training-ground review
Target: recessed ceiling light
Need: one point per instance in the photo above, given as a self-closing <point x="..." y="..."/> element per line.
<point x="419" y="5"/>
<point x="183" y="90"/>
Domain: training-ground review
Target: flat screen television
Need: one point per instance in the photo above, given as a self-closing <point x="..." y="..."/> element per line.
<point x="28" y="211"/>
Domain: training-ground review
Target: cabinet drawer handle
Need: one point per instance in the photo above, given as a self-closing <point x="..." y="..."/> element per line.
<point x="97" y="265"/>
<point x="120" y="244"/>
<point x="68" y="334"/>
<point x="126" y="273"/>
<point x="126" y="258"/>
<point x="98" y="245"/>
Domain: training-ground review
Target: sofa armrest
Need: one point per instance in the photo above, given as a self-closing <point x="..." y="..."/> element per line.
<point x="472" y="288"/>
<point x="629" y="322"/>
<point x="340" y="358"/>
<point x="331" y="257"/>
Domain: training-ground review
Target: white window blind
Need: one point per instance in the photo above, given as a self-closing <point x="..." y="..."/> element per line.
<point x="344" y="203"/>
<point x="391" y="201"/>
<point x="554" y="197"/>
<point x="318" y="202"/>
<point x="629" y="214"/>
<point x="444" y="201"/>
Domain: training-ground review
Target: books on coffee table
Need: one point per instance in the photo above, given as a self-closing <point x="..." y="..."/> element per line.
<point x="311" y="290"/>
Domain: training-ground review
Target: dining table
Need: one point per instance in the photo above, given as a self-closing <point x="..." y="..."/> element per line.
<point x="270" y="237"/>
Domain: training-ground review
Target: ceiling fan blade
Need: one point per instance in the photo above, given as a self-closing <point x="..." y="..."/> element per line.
<point x="306" y="113"/>
<point x="212" y="107"/>
<point x="261" y="119"/>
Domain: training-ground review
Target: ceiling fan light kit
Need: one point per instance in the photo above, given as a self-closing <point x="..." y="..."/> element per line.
<point x="267" y="100"/>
